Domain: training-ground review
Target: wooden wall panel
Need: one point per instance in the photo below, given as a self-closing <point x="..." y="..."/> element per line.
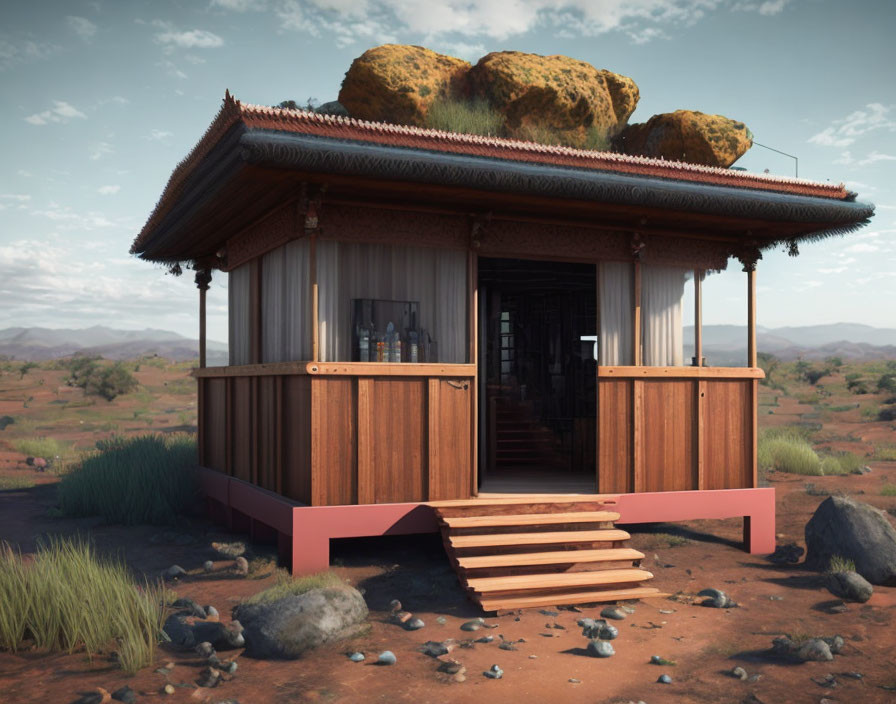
<point x="296" y="424"/>
<point x="667" y="433"/>
<point x="241" y="428"/>
<point x="728" y="435"/>
<point x="614" y="428"/>
<point x="399" y="429"/>
<point x="449" y="438"/>
<point x="268" y="446"/>
<point x="214" y="418"/>
<point x="334" y="471"/>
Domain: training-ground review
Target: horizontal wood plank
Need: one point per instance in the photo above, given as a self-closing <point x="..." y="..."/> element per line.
<point x="557" y="557"/>
<point x="681" y="372"/>
<point x="376" y="369"/>
<point x="555" y="580"/>
<point x="547" y="538"/>
<point x="529" y="519"/>
<point x="577" y="597"/>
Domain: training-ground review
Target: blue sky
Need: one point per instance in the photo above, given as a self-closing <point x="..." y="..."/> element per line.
<point x="102" y="99"/>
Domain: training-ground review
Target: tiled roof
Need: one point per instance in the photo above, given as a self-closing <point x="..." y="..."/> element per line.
<point x="335" y="127"/>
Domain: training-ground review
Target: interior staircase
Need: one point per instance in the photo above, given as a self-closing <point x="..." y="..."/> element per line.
<point x="514" y="553"/>
<point x="521" y="440"/>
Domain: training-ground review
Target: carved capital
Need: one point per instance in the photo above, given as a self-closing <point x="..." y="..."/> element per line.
<point x="748" y="255"/>
<point x="310" y="206"/>
<point x="203" y="279"/>
<point x="638" y="245"/>
<point x="478" y="224"/>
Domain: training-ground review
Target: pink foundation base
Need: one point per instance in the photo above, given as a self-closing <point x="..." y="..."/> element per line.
<point x="303" y="533"/>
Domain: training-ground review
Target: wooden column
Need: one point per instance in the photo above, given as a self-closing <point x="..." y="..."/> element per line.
<point x="751" y="317"/>
<point x="636" y="314"/>
<point x="473" y="315"/>
<point x="255" y="306"/>
<point x="315" y="323"/>
<point x="698" y="318"/>
<point x="203" y="279"/>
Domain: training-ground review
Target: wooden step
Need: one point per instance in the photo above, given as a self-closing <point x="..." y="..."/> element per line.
<point x="546" y="538"/>
<point x="577" y="597"/>
<point x="560" y="557"/>
<point x="530" y="519"/>
<point x="554" y="580"/>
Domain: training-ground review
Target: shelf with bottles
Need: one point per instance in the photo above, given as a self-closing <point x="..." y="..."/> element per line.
<point x="387" y="331"/>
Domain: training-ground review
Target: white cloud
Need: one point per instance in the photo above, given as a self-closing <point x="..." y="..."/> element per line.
<point x="13" y="53"/>
<point x="834" y="270"/>
<point x="66" y="219"/>
<point x="862" y="248"/>
<point x="842" y="133"/>
<point x="108" y="190"/>
<point x="158" y="135"/>
<point x="463" y="50"/>
<point x="190" y="39"/>
<point x="240" y="5"/>
<point x="172" y="69"/>
<point x="81" y="26"/>
<point x="772" y="7"/>
<point x="497" y="20"/>
<point x="876" y="156"/>
<point x="99" y="150"/>
<point x="60" y="112"/>
<point x="17" y="197"/>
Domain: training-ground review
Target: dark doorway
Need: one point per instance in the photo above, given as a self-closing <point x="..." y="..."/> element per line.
<point x="537" y="372"/>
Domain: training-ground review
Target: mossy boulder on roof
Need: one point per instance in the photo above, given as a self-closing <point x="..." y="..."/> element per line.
<point x="398" y="83"/>
<point x="687" y="135"/>
<point x="565" y="96"/>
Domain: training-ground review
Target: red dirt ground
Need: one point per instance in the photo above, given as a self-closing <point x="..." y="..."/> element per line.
<point x="705" y="643"/>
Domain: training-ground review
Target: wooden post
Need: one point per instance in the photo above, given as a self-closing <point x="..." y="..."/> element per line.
<point x="636" y="314"/>
<point x="698" y="318"/>
<point x="751" y="318"/>
<point x="597" y="361"/>
<point x="473" y="313"/>
<point x="255" y="305"/>
<point x="315" y="323"/>
<point x="203" y="279"/>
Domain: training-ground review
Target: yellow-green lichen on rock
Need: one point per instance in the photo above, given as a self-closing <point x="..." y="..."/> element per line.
<point x="687" y="135"/>
<point x="555" y="95"/>
<point x="397" y="83"/>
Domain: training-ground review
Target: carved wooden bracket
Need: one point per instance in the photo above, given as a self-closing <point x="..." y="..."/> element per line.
<point x="309" y="208"/>
<point x="748" y="254"/>
<point x="478" y="224"/>
<point x="638" y="245"/>
<point x="203" y="279"/>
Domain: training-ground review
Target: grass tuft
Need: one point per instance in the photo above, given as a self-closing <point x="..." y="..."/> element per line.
<point x="840" y="564"/>
<point x="886" y="453"/>
<point x="15" y="483"/>
<point x="67" y="599"/>
<point x="784" y="452"/>
<point x="888" y="490"/>
<point x="141" y="480"/>
<point x="291" y="586"/>
<point x="465" y="117"/>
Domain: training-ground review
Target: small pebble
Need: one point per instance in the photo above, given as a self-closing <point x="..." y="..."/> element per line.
<point x="484" y="639"/>
<point x="494" y="672"/>
<point x="395" y="605"/>
<point x="168" y="689"/>
<point x="387" y="657"/>
<point x="125" y="694"/>
<point x="533" y="657"/>
<point x="356" y="657"/>
<point x="230" y="667"/>
<point x="667" y="611"/>
<point x="575" y="681"/>
<point x="241" y="565"/>
<point x="471" y="626"/>
<point x="740" y="673"/>
<point x="211" y="611"/>
<point x="613" y="612"/>
<point x="174" y="572"/>
<point x="664" y="679"/>
<point x="441" y="620"/>
<point x="208" y="565"/>
<point x="205" y="649"/>
<point x="415" y="624"/>
<point x="600" y="649"/>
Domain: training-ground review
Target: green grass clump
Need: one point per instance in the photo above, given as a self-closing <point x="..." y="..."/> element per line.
<point x="888" y="490"/>
<point x="841" y="409"/>
<point x="886" y="453"/>
<point x="147" y="479"/>
<point x="465" y="117"/>
<point x="67" y="599"/>
<point x="48" y="448"/>
<point x="787" y="453"/>
<point x="841" y="564"/>
<point x="292" y="586"/>
<point x="15" y="483"/>
<point x="842" y="463"/>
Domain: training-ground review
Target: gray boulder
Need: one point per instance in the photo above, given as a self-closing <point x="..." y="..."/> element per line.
<point x="855" y="531"/>
<point x="850" y="586"/>
<point x="288" y="627"/>
<point x="183" y="631"/>
<point x="334" y="107"/>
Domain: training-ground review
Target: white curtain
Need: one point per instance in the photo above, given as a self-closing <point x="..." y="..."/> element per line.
<point x="238" y="315"/>
<point x="662" y="288"/>
<point x="436" y="279"/>
<point x="286" y="304"/>
<point x="615" y="296"/>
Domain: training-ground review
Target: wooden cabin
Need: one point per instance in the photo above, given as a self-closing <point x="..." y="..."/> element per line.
<point x="427" y="325"/>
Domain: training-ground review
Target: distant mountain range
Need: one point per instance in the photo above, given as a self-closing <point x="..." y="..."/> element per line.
<point x="727" y="344"/>
<point x="722" y="344"/>
<point x="38" y="344"/>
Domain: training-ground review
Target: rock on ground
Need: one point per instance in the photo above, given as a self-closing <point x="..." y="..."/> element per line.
<point x="562" y="94"/>
<point x="856" y="531"/>
<point x="687" y="135"/>
<point x="398" y="83"/>
<point x="187" y="633"/>
<point x="850" y="586"/>
<point x="288" y="627"/>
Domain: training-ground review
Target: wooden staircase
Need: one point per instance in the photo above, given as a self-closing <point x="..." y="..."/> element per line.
<point x="514" y="553"/>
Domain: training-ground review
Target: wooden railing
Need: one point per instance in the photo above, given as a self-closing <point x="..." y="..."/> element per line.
<point x="676" y="428"/>
<point x="341" y="433"/>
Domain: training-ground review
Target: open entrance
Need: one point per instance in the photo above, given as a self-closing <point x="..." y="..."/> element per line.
<point x="537" y="371"/>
